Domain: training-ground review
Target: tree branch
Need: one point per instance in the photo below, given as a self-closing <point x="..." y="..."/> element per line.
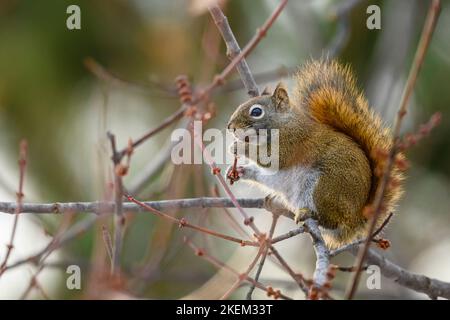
<point x="220" y="265"/>
<point x="119" y="219"/>
<point x="184" y="223"/>
<point x="420" y="283"/>
<point x="18" y="208"/>
<point x="322" y="257"/>
<point x="260" y="33"/>
<point x="432" y="287"/>
<point x="266" y="246"/>
<point x="233" y="50"/>
<point x="164" y="124"/>
<point x="98" y="207"/>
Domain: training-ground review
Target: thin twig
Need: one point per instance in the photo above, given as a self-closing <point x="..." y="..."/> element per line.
<point x="41" y="290"/>
<point x="157" y="163"/>
<point x="298" y="278"/>
<point x="289" y="234"/>
<point x="103" y="74"/>
<point x="332" y="50"/>
<point x="217" y="81"/>
<point x="164" y="124"/>
<point x="220" y="265"/>
<point x="216" y="172"/>
<point x="18" y="209"/>
<point x="244" y="275"/>
<point x="260" y="33"/>
<point x="233" y="50"/>
<point x="108" y="244"/>
<point x="428" y="29"/>
<point x="184" y="223"/>
<point x="69" y="235"/>
<point x="32" y="284"/>
<point x="119" y="218"/>
<point x="234" y="223"/>
<point x="51" y="248"/>
<point x="349" y="246"/>
<point x="263" y="258"/>
<point x="349" y="269"/>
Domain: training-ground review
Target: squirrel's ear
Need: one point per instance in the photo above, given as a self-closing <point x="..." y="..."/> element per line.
<point x="280" y="96"/>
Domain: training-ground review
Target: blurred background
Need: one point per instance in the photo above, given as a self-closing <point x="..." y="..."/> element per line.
<point x="50" y="97"/>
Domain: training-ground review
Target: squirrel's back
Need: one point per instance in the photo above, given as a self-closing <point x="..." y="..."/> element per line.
<point x="328" y="91"/>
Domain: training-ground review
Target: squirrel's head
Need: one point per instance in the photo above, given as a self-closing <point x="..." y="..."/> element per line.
<point x="262" y="112"/>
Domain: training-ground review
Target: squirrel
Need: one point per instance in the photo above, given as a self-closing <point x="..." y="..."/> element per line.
<point x="329" y="151"/>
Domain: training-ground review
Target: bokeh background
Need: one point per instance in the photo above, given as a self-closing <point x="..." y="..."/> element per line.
<point x="49" y="97"/>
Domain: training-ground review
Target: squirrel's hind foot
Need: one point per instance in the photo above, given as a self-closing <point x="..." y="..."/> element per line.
<point x="302" y="214"/>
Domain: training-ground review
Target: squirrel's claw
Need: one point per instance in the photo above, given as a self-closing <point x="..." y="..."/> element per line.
<point x="234" y="173"/>
<point x="302" y="214"/>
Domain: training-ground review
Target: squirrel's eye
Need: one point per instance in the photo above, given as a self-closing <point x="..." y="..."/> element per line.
<point x="256" y="111"/>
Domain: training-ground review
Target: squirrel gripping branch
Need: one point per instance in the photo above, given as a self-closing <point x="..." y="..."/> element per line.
<point x="329" y="146"/>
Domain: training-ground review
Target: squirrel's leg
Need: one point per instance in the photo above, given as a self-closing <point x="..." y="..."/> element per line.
<point x="274" y="204"/>
<point x="339" y="199"/>
<point x="246" y="172"/>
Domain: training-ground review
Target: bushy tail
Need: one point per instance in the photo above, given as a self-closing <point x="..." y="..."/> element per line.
<point x="329" y="91"/>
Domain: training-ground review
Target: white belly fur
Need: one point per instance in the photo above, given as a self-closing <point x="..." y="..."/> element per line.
<point x="295" y="186"/>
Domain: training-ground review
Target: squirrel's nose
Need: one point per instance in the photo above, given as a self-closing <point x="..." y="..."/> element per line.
<point x="229" y="125"/>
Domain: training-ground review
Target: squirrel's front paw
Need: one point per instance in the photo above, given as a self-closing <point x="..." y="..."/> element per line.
<point x="234" y="173"/>
<point x="247" y="172"/>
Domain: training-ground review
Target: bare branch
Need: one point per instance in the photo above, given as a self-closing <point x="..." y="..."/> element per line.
<point x="98" y="207"/>
<point x="415" y="282"/>
<point x="233" y="221"/>
<point x="18" y="208"/>
<point x="155" y="166"/>
<point x="263" y="258"/>
<point x="216" y="172"/>
<point x="220" y="265"/>
<point x="164" y="124"/>
<point x="289" y="234"/>
<point x="119" y="219"/>
<point x="322" y="257"/>
<point x="108" y="244"/>
<point x="103" y="74"/>
<point x="48" y="250"/>
<point x="243" y="276"/>
<point x="184" y="223"/>
<point x="233" y="50"/>
<point x="261" y="32"/>
<point x="298" y="278"/>
<point x="432" y="287"/>
<point x="72" y="233"/>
